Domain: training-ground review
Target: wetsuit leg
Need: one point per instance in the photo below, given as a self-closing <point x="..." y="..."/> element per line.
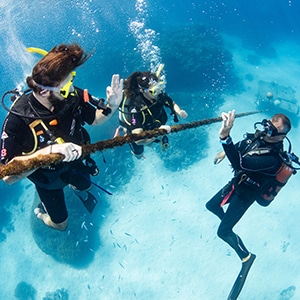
<point x="136" y="149"/>
<point x="80" y="180"/>
<point x="236" y="209"/>
<point x="213" y="204"/>
<point x="77" y="176"/>
<point x="54" y="203"/>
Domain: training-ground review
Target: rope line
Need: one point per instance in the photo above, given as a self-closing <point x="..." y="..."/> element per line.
<point x="16" y="167"/>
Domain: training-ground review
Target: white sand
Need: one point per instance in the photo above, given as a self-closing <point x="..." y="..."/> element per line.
<point x="159" y="241"/>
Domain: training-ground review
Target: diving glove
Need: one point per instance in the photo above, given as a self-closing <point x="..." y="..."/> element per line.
<point x="71" y="151"/>
<point x="167" y="128"/>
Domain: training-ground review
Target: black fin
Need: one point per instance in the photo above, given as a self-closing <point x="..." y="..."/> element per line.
<point x="240" y="280"/>
<point x="90" y="202"/>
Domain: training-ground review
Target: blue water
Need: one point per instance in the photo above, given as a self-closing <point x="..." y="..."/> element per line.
<point x="215" y="53"/>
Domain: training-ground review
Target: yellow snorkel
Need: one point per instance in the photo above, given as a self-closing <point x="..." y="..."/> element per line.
<point x="159" y="86"/>
<point x="160" y="68"/>
<point x="37" y="50"/>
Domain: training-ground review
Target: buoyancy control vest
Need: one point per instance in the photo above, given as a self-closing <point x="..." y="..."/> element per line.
<point x="65" y="124"/>
<point x="137" y="104"/>
<point x="47" y="128"/>
<point x="264" y="181"/>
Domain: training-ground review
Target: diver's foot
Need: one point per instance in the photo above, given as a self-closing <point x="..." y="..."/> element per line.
<point x="138" y="156"/>
<point x="40" y="211"/>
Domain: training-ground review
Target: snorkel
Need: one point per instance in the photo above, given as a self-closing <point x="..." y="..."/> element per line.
<point x="157" y="87"/>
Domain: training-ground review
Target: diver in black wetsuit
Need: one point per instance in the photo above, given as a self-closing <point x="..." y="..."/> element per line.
<point x="259" y="175"/>
<point x="143" y="108"/>
<point x="50" y="119"/>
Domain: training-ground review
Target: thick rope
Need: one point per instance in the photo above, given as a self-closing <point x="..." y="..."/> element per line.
<point x="16" y="167"/>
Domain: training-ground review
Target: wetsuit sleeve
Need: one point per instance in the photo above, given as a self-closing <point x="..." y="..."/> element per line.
<point x="12" y="138"/>
<point x="88" y="111"/>
<point x="169" y="103"/>
<point x="166" y="100"/>
<point x="232" y="155"/>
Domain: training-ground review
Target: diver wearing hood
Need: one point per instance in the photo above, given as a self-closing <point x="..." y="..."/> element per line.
<point x="49" y="119"/>
<point x="261" y="168"/>
<point x="142" y="108"/>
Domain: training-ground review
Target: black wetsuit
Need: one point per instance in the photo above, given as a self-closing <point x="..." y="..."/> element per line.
<point x="239" y="193"/>
<point x="139" y="112"/>
<point x="66" y="121"/>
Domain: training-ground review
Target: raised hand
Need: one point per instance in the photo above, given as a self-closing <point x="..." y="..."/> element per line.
<point x="227" y="124"/>
<point x="114" y="92"/>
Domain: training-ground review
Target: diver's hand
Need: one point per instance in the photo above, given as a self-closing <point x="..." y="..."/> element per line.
<point x="219" y="157"/>
<point x="114" y="92"/>
<point x="167" y="128"/>
<point x="183" y="114"/>
<point x="69" y="150"/>
<point x="227" y="124"/>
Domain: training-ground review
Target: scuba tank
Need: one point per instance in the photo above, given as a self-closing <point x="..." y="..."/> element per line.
<point x="282" y="176"/>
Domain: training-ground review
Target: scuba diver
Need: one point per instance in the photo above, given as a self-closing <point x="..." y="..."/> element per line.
<point x="261" y="168"/>
<point x="142" y="108"/>
<point x="49" y="118"/>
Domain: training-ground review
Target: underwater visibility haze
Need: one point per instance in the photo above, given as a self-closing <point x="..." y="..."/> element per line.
<point x="153" y="238"/>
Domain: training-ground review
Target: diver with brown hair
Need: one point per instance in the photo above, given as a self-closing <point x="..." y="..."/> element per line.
<point x="49" y="119"/>
<point x="143" y="108"/>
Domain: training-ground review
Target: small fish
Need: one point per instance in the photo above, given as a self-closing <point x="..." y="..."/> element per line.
<point x="121" y="265"/>
<point x="116" y="221"/>
<point x="83" y="226"/>
<point x="77" y="243"/>
<point x="128" y="234"/>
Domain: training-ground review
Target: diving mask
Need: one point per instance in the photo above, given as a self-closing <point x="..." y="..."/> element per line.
<point x="155" y="88"/>
<point x="64" y="88"/>
<point x="268" y="128"/>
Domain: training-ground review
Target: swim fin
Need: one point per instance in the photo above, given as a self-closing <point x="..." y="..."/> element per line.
<point x="87" y="199"/>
